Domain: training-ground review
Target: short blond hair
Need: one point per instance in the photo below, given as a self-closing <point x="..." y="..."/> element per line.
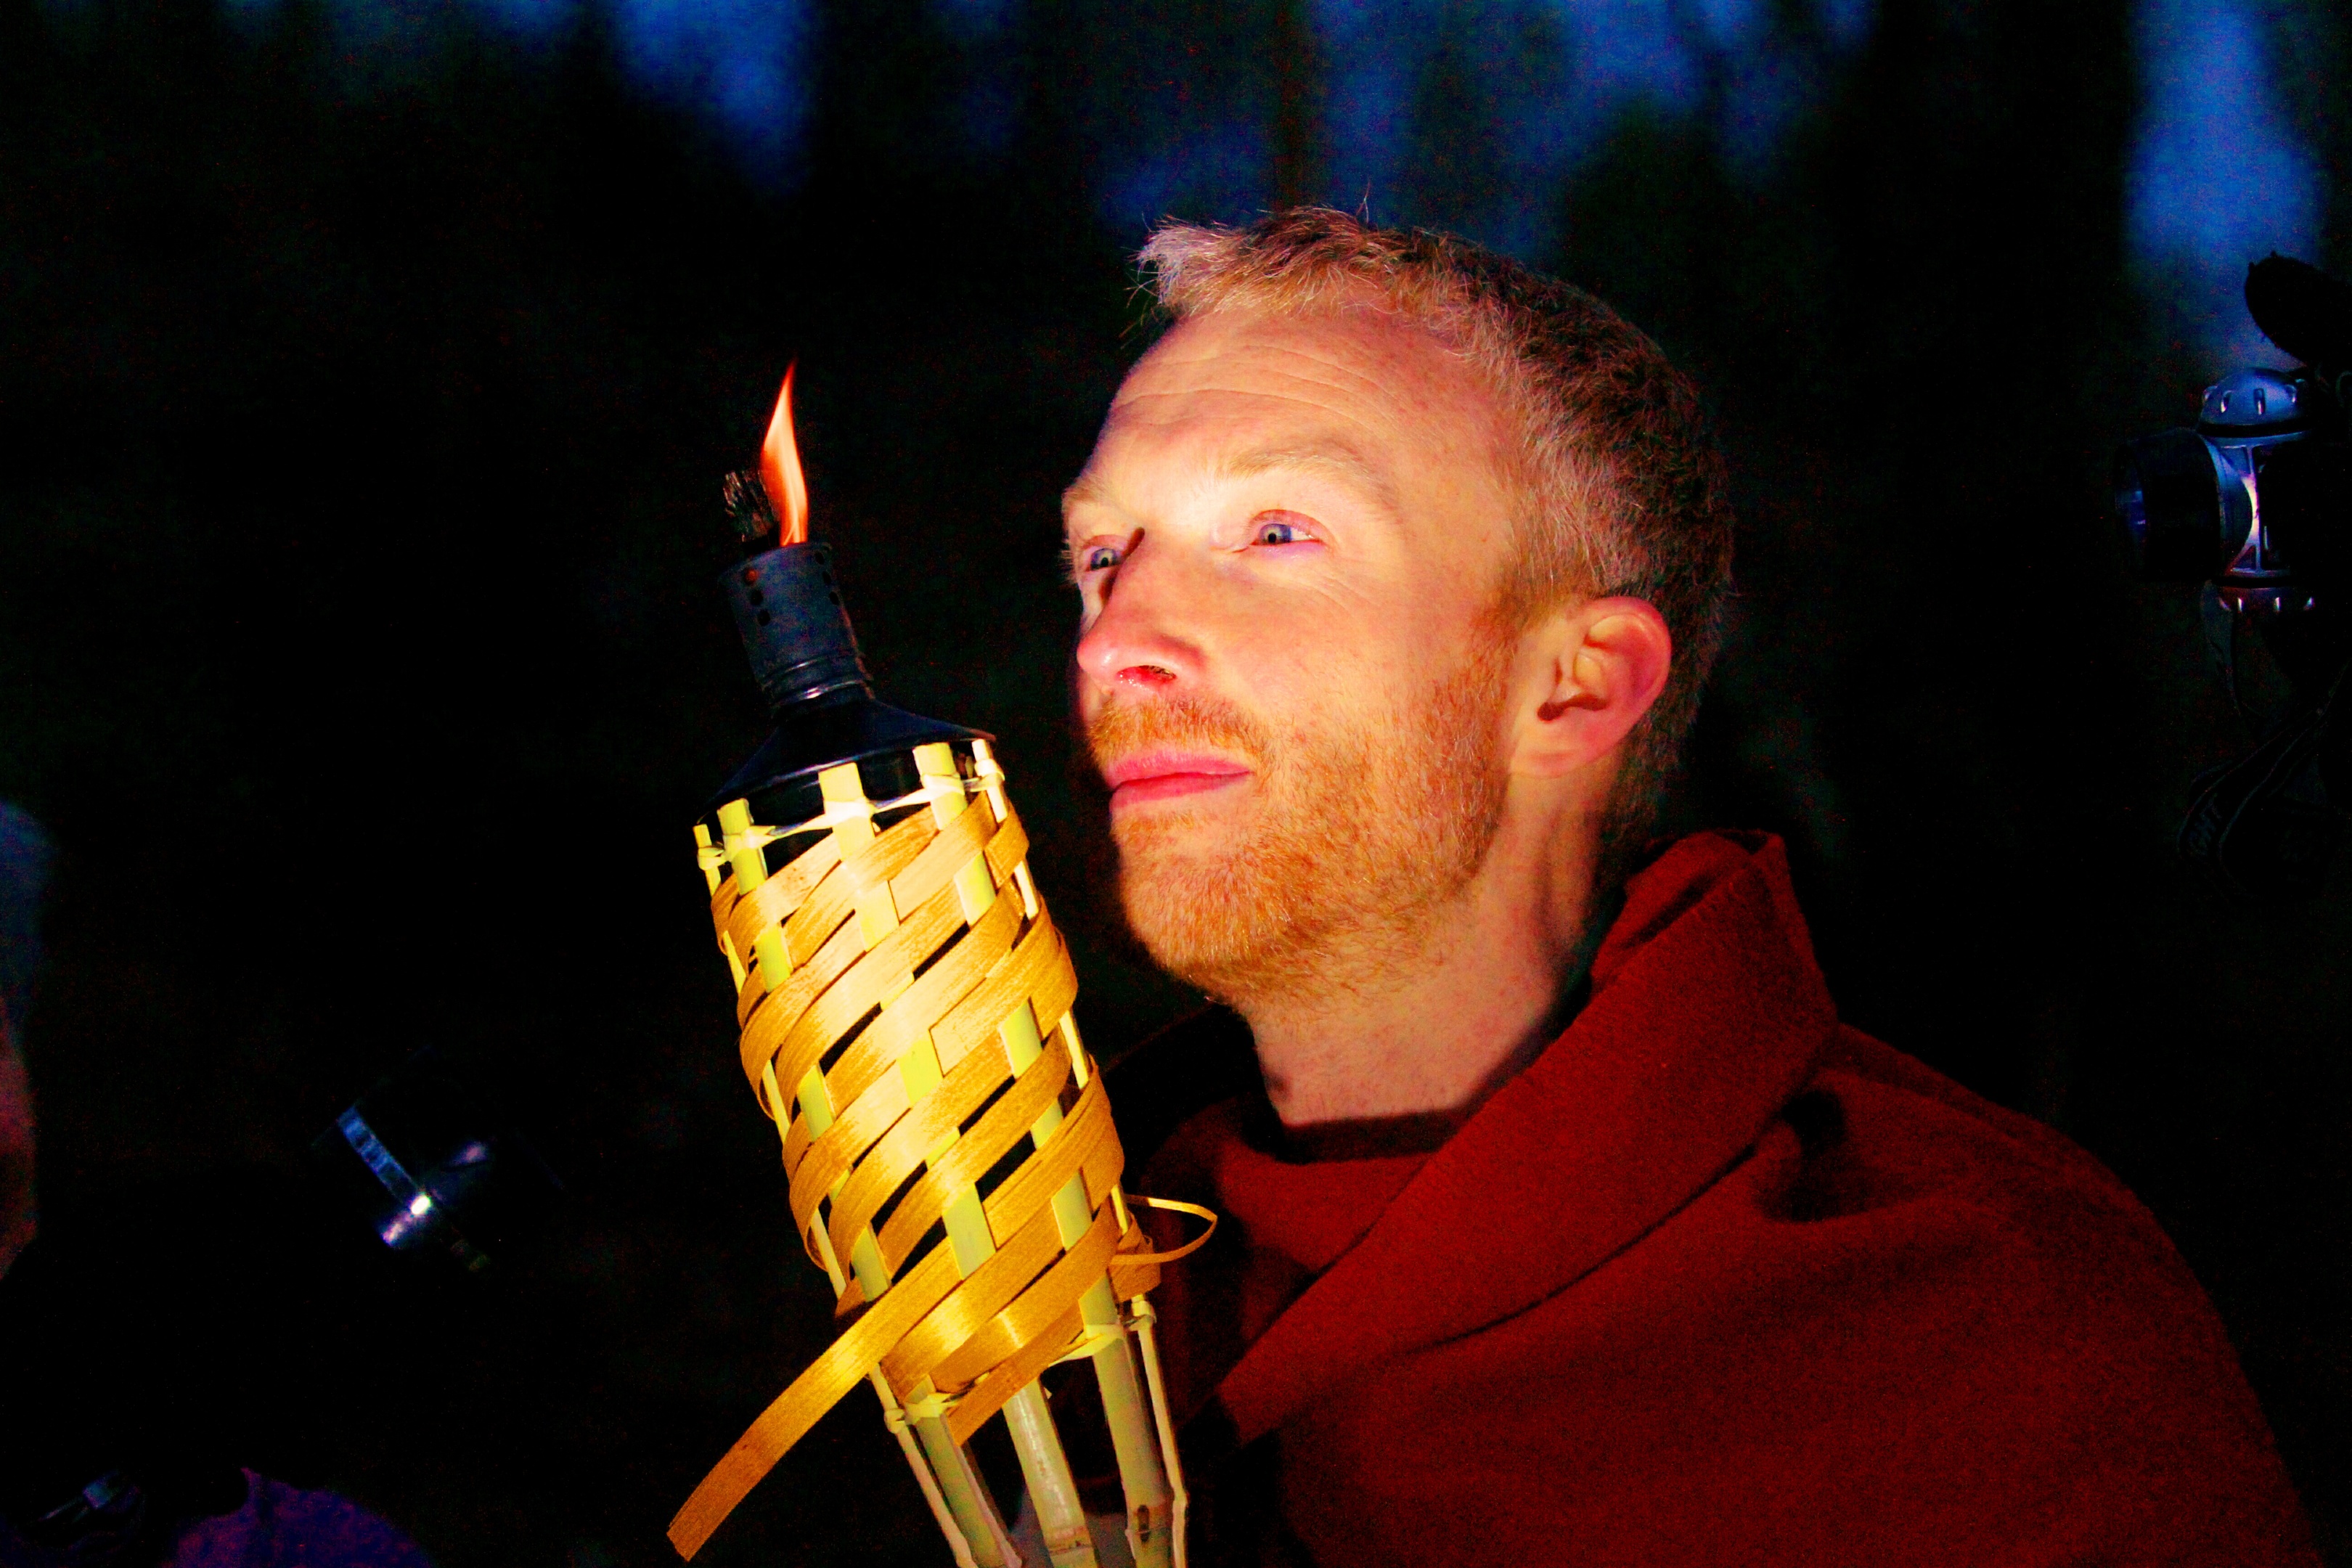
<point x="1623" y="484"/>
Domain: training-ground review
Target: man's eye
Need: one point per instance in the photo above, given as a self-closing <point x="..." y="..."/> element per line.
<point x="1280" y="531"/>
<point x="1099" y="558"/>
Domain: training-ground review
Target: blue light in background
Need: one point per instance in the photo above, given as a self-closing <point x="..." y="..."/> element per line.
<point x="1549" y="76"/>
<point x="1373" y="69"/>
<point x="740" y="63"/>
<point x="1549" y="114"/>
<point x="1639" y="49"/>
<point x="739" y="66"/>
<point x="2215" y="178"/>
<point x="1551" y="106"/>
<point x="1730" y="22"/>
<point x="1223" y="173"/>
<point x="988" y="106"/>
<point x="1850" y="21"/>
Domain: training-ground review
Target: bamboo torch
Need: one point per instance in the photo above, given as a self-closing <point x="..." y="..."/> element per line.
<point x="904" y="1001"/>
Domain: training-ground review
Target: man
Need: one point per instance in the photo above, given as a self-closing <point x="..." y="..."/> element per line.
<point x="1564" y="1220"/>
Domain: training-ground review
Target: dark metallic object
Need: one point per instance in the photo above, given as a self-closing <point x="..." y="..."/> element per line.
<point x="803" y="653"/>
<point x="153" y="1343"/>
<point x="2256" y="500"/>
<point x="794" y="629"/>
<point x="444" y="1178"/>
<point x="2205" y="504"/>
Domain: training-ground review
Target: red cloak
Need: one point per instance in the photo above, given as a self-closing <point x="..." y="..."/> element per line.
<point x="1715" y="1280"/>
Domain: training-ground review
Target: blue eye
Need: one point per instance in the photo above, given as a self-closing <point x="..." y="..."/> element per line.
<point x="1100" y="558"/>
<point x="1274" y="531"/>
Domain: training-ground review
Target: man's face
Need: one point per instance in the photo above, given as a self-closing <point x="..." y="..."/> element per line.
<point x="1288" y="544"/>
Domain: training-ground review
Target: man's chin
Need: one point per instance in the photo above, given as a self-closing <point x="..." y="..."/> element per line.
<point x="1173" y="848"/>
<point x="1203" y="822"/>
<point x="1208" y="919"/>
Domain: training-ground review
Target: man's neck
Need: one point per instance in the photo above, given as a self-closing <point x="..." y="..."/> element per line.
<point x="1450" y="1014"/>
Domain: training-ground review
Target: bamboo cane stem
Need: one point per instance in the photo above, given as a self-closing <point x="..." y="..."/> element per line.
<point x="1144" y="1318"/>
<point x="1140" y="1476"/>
<point x="966" y="1498"/>
<point x="1053" y="1492"/>
<point x="959" y="1543"/>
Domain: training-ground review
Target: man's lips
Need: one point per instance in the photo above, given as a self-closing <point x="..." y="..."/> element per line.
<point x="1164" y="775"/>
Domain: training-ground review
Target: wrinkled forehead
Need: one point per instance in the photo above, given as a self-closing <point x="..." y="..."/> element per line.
<point x="1356" y="378"/>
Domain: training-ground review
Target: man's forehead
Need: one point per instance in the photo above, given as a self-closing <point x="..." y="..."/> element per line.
<point x="1353" y="360"/>
<point x="1234" y="394"/>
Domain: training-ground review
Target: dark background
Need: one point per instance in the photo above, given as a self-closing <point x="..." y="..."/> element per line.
<point x="363" y="405"/>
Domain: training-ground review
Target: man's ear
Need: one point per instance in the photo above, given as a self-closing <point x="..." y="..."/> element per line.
<point x="1588" y="675"/>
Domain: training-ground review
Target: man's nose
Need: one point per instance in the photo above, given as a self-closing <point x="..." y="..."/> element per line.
<point x="1143" y="640"/>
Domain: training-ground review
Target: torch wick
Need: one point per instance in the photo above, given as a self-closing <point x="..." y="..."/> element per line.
<point x="748" y="507"/>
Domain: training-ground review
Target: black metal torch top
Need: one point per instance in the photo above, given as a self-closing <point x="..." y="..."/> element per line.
<point x="795" y="631"/>
<point x="803" y="653"/>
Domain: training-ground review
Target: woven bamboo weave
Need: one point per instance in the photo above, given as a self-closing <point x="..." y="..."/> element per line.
<point x="904" y="1000"/>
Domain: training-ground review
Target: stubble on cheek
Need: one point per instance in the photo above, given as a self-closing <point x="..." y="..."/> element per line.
<point x="1230" y="896"/>
<point x="1352" y="832"/>
<point x="1186" y="878"/>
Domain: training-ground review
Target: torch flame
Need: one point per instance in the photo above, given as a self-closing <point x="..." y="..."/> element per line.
<point x="780" y="469"/>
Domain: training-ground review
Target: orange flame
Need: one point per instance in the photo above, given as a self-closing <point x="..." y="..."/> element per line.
<point x="780" y="469"/>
